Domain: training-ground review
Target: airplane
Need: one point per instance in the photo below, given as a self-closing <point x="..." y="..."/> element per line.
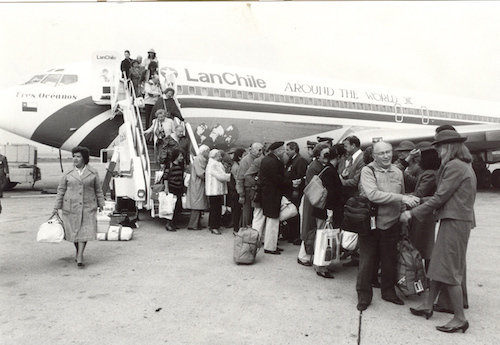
<point x="226" y="106"/>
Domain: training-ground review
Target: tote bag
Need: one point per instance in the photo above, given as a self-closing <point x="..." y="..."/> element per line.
<point x="316" y="192"/>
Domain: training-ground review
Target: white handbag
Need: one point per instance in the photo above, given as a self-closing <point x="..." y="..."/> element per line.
<point x="51" y="231"/>
<point x="349" y="240"/>
<point x="326" y="246"/>
<point x="287" y="209"/>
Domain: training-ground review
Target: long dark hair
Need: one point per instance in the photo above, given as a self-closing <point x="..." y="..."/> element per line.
<point x="429" y="160"/>
<point x="238" y="153"/>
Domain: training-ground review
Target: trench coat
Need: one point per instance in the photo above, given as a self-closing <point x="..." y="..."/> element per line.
<point x="196" y="198"/>
<point x="78" y="197"/>
<point x="308" y="219"/>
<point x="274" y="185"/>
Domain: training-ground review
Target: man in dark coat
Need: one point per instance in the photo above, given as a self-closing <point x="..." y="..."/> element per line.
<point x="274" y="185"/>
<point x="295" y="170"/>
<point x="4" y="173"/>
<point x="168" y="103"/>
<point x="126" y="64"/>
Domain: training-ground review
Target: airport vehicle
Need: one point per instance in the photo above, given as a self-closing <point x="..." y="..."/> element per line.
<point x="22" y="159"/>
<point x="84" y="104"/>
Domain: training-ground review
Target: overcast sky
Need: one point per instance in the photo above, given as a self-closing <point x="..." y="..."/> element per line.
<point x="448" y="48"/>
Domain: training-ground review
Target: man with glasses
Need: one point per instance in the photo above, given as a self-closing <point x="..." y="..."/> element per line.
<point x="384" y="187"/>
<point x="244" y="185"/>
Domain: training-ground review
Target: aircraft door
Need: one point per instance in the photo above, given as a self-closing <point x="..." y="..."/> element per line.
<point x="398" y="112"/>
<point x="425" y="115"/>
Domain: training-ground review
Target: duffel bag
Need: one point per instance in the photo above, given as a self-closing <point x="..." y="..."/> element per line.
<point x="116" y="233"/>
<point x="411" y="279"/>
<point x="246" y="245"/>
<point x="52" y="231"/>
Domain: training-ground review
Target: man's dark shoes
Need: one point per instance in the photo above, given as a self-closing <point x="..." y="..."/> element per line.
<point x="279" y="249"/>
<point x="274" y="252"/>
<point x="394" y="299"/>
<point x="352" y="263"/>
<point x="325" y="275"/>
<point x="421" y="312"/>
<point x="376" y="284"/>
<point x="362" y="306"/>
<point x="169" y="227"/>
<point x="308" y="263"/>
<point x="297" y="242"/>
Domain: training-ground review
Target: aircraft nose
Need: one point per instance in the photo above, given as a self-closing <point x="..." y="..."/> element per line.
<point x="18" y="114"/>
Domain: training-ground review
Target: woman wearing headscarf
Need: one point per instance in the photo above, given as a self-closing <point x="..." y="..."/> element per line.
<point x="216" y="180"/>
<point x="196" y="198"/>
<point x="453" y="202"/>
<point x="79" y="195"/>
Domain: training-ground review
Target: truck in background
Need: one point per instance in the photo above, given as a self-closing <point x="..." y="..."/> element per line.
<point x="22" y="160"/>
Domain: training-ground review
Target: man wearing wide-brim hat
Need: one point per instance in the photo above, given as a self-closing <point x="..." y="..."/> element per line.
<point x="407" y="153"/>
<point x="273" y="186"/>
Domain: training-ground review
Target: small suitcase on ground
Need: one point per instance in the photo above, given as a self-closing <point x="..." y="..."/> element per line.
<point x="246" y="245"/>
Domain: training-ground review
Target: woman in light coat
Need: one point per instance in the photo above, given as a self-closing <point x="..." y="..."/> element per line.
<point x="454" y="203"/>
<point x="196" y="199"/>
<point x="79" y="195"/>
<point x="161" y="128"/>
<point x="216" y="180"/>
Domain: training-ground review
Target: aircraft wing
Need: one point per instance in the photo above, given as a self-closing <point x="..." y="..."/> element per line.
<point x="479" y="137"/>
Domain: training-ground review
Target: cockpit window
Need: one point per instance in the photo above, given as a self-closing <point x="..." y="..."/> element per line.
<point x="51" y="79"/>
<point x="35" y="79"/>
<point x="69" y="79"/>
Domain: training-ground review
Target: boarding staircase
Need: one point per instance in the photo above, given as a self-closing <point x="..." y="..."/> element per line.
<point x="134" y="160"/>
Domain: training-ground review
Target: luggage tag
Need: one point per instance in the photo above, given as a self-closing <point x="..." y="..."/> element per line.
<point x="419" y="287"/>
<point x="373" y="223"/>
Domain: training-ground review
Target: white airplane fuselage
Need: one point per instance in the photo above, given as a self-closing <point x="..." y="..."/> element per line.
<point x="232" y="107"/>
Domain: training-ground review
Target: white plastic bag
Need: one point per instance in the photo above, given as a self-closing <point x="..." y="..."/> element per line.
<point x="167" y="205"/>
<point x="349" y="240"/>
<point x="51" y="231"/>
<point x="187" y="177"/>
<point x="327" y="246"/>
<point x="158" y="176"/>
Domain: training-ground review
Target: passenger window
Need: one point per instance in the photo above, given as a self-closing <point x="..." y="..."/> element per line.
<point x="239" y="95"/>
<point x="51" y="79"/>
<point x="216" y="92"/>
<point x="35" y="79"/>
<point x="192" y="90"/>
<point x="204" y="91"/>
<point x="69" y="79"/>
<point x="228" y="93"/>
<point x="179" y="90"/>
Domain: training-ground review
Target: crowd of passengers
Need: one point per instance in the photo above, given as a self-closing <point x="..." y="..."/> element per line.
<point x="413" y="185"/>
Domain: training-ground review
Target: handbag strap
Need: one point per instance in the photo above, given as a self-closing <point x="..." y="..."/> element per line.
<point x="322" y="171"/>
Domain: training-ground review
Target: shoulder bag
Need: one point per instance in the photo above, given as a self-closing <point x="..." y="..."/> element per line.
<point x="316" y="192"/>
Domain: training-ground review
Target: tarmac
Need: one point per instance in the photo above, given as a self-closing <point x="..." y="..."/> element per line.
<point x="184" y="288"/>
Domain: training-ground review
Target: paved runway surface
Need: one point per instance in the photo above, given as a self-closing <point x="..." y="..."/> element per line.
<point x="183" y="288"/>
